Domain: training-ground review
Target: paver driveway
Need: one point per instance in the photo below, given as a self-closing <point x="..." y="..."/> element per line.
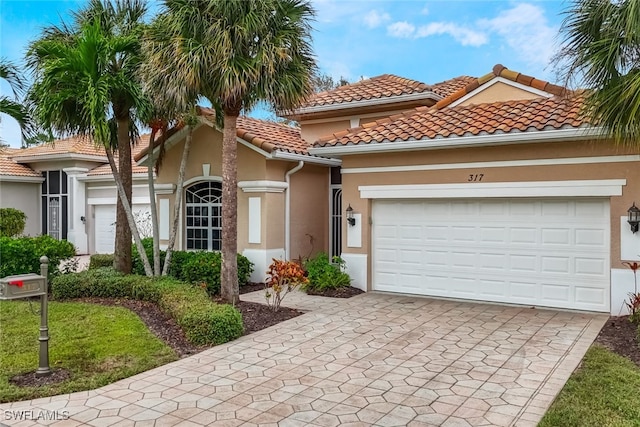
<point x="375" y="359"/>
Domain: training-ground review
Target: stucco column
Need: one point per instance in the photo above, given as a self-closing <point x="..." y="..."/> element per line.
<point x="77" y="233"/>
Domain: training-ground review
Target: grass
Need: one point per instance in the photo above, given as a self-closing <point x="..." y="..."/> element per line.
<point x="604" y="391"/>
<point x="96" y="344"/>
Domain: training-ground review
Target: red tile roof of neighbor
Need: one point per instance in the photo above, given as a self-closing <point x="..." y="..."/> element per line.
<point x="425" y="123"/>
<point x="11" y="168"/>
<point x="71" y="145"/>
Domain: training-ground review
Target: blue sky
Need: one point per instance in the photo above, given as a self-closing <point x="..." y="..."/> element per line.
<point x="428" y="41"/>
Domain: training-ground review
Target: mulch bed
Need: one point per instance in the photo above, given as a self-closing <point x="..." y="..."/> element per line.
<point x="30" y="380"/>
<point x="258" y="316"/>
<point x="621" y="336"/>
<point x="251" y="287"/>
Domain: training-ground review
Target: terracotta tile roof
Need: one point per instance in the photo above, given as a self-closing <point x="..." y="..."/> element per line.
<point x="267" y="135"/>
<point x="10" y="168"/>
<point x="384" y="86"/>
<point x="451" y="86"/>
<point x="424" y="123"/>
<point x="500" y="70"/>
<point x="71" y="145"/>
<point x="140" y="146"/>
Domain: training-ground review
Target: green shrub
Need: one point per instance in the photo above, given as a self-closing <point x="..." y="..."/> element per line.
<point x="178" y="260"/>
<point x="323" y="274"/>
<point x="100" y="260"/>
<point x="137" y="266"/>
<point x="206" y="267"/>
<point x="20" y="255"/>
<point x="12" y="222"/>
<point x="245" y="268"/>
<point x="203" y="321"/>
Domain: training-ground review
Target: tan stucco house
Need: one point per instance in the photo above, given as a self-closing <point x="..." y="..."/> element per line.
<point x="491" y="189"/>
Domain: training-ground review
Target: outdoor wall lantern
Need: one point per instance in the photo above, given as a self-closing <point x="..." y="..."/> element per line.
<point x="634" y="217"/>
<point x="352" y="221"/>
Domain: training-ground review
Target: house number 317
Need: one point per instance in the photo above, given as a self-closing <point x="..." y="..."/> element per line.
<point x="475" y="177"/>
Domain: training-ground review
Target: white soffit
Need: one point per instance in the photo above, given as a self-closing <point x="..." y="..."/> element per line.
<point x="584" y="188"/>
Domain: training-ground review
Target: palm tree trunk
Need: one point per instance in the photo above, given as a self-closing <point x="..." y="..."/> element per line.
<point x="122" y="254"/>
<point x="152" y="201"/>
<point x="178" y="200"/>
<point x="229" y="284"/>
<point x="133" y="229"/>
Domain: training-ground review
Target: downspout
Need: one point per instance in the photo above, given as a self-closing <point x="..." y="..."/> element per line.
<point x="287" y="210"/>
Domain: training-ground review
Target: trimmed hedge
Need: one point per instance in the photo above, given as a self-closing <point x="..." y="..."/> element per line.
<point x="21" y="255"/>
<point x="195" y="267"/>
<point x="100" y="260"/>
<point x="203" y="321"/>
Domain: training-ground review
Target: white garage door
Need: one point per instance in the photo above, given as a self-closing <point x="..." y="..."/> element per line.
<point x="105" y="225"/>
<point x="543" y="252"/>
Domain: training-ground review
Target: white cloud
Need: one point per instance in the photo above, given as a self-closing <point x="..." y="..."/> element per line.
<point x="374" y="19"/>
<point x="402" y="29"/>
<point x="425" y="10"/>
<point x="465" y="36"/>
<point x="525" y="29"/>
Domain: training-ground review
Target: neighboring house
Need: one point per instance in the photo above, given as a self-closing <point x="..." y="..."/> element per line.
<point x="66" y="189"/>
<point x="490" y="188"/>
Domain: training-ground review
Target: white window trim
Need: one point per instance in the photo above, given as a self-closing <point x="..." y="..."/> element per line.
<point x="263" y="186"/>
<point x="585" y="188"/>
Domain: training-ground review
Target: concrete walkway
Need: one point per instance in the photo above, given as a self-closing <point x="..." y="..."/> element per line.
<point x="375" y="359"/>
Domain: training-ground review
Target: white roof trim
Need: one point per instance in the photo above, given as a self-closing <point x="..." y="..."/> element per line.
<point x="496" y="80"/>
<point x="59" y="156"/>
<point x="109" y="177"/>
<point x="531" y="136"/>
<point x="19" y="178"/>
<point x="285" y="155"/>
<point x="583" y="188"/>
<point x="496" y="164"/>
<point x="365" y="103"/>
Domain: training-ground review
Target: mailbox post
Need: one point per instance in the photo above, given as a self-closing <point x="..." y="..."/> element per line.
<point x="31" y="285"/>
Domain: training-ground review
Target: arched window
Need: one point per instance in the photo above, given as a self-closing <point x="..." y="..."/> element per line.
<point x="203" y="226"/>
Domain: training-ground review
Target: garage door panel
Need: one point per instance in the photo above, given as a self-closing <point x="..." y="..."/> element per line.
<point x="534" y="251"/>
<point x="591" y="266"/>
<point x="590" y="237"/>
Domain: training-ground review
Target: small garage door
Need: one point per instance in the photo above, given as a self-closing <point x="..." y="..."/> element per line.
<point x="105" y="225"/>
<point x="543" y="252"/>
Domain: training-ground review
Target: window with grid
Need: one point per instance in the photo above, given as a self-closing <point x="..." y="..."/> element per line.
<point x="203" y="216"/>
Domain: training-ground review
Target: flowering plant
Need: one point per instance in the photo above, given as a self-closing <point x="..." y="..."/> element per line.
<point x="283" y="277"/>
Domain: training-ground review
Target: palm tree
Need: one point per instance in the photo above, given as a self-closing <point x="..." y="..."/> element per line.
<point x="86" y="83"/>
<point x="10" y="73"/>
<point x="601" y="44"/>
<point x="235" y="53"/>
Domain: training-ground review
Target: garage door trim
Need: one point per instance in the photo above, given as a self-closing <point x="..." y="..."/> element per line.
<point x="591" y="188"/>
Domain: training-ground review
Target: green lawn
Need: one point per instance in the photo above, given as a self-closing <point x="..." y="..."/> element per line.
<point x="604" y="391"/>
<point x="97" y="344"/>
